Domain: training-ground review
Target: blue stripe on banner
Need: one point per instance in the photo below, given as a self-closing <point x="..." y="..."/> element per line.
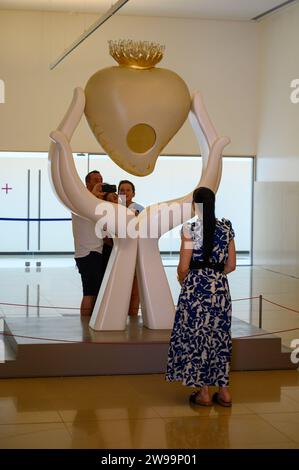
<point x="34" y="220"/>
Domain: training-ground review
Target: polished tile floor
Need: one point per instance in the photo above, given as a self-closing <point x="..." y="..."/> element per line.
<point x="132" y="412"/>
<point x="144" y="411"/>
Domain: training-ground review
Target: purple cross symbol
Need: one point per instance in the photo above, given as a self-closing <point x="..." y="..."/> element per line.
<point x="6" y="188"/>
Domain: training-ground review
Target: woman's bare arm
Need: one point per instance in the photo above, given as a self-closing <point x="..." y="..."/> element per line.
<point x="185" y="257"/>
<point x="230" y="265"/>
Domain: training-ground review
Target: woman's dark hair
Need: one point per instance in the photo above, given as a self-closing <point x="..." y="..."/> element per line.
<point x="126" y="182"/>
<point x="207" y="198"/>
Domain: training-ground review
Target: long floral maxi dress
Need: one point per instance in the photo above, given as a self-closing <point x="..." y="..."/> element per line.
<point x="200" y="344"/>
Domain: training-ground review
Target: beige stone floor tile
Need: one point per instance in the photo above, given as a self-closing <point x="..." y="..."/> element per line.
<point x="283" y="405"/>
<point x="155" y="390"/>
<point x="108" y="413"/>
<point x="120" y="434"/>
<point x="172" y="399"/>
<point x="223" y="432"/>
<point x="286" y="423"/>
<point x="34" y="436"/>
<point x="261" y="386"/>
<point x="34" y="387"/>
<point x="12" y="413"/>
<point x="291" y="392"/>
<point x="180" y="411"/>
<point x="87" y="392"/>
<point x="96" y="385"/>
<point x="195" y="410"/>
<point x="97" y="394"/>
<point x="104" y="399"/>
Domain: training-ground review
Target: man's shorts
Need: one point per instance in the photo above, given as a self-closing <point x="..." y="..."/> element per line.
<point x="92" y="272"/>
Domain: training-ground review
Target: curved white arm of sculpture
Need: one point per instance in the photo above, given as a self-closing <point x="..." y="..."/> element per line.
<point x="158" y="310"/>
<point x="74" y="114"/>
<point x="109" y="313"/>
<point x="67" y="126"/>
<point x="204" y="130"/>
<point x="84" y="202"/>
<point x="202" y="125"/>
<point x="112" y="305"/>
<point x="74" y="195"/>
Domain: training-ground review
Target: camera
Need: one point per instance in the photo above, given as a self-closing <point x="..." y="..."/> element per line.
<point x="108" y="188"/>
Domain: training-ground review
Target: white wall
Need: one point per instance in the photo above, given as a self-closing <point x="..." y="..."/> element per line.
<point x="276" y="225"/>
<point x="276" y="229"/>
<point x="219" y="58"/>
<point x="278" y="136"/>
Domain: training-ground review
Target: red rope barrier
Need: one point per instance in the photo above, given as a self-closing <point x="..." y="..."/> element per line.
<point x="78" y="308"/>
<point x="40" y="306"/>
<point x="281" y="306"/>
<point x="138" y="342"/>
<point x="73" y="341"/>
<point x="267" y="333"/>
<point x="57" y="340"/>
<point x="245" y="298"/>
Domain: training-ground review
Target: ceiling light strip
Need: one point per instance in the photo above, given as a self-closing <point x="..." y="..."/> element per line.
<point x="114" y="8"/>
<point x="281" y="5"/>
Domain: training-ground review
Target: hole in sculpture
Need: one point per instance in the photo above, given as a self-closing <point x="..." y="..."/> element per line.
<point x="141" y="138"/>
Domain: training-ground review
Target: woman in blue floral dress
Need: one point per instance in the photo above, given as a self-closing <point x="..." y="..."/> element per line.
<point x="200" y="345"/>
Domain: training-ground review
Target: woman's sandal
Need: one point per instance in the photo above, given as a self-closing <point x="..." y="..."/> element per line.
<point x="216" y="399"/>
<point x="197" y="401"/>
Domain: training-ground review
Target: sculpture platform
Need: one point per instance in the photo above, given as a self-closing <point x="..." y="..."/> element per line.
<point x="66" y="346"/>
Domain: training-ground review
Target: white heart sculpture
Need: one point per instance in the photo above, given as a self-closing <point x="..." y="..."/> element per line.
<point x="135" y="109"/>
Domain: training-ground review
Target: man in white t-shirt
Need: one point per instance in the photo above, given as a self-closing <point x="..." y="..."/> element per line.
<point x="88" y="249"/>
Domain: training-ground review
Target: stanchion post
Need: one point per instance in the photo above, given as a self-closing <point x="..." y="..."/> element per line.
<point x="260" y="311"/>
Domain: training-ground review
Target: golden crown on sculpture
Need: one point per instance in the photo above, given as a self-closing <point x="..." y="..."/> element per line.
<point x="136" y="54"/>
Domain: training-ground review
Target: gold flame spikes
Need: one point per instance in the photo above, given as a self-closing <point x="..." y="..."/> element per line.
<point x="136" y="54"/>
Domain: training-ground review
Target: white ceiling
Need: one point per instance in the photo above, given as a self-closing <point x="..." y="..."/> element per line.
<point x="212" y="9"/>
